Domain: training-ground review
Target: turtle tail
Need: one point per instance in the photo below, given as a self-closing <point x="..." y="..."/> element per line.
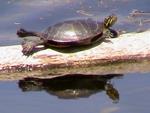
<point x="23" y="33"/>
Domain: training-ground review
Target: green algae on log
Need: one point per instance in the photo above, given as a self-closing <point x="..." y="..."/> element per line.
<point x="127" y="47"/>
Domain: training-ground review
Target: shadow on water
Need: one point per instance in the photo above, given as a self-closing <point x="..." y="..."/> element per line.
<point x="73" y="86"/>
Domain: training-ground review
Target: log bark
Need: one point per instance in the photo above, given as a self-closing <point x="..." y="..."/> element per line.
<point x="128" y="47"/>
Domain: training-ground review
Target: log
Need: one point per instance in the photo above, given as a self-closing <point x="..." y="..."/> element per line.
<point x="107" y="57"/>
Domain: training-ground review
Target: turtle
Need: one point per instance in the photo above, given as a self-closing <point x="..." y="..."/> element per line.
<point x="69" y="33"/>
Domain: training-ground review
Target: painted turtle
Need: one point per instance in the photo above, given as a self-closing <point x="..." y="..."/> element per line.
<point x="69" y="33"/>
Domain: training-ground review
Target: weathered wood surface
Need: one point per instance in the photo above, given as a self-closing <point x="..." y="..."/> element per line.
<point x="128" y="47"/>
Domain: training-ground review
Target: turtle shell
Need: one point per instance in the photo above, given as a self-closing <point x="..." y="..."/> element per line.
<point x="74" y="32"/>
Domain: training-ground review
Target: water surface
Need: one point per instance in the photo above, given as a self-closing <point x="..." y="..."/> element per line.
<point x="133" y="92"/>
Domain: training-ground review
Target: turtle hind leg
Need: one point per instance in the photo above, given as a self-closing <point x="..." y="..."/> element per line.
<point x="28" y="48"/>
<point x="23" y="33"/>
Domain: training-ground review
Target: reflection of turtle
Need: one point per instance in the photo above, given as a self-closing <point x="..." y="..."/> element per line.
<point x="70" y="87"/>
<point x="69" y="33"/>
<point x="112" y="92"/>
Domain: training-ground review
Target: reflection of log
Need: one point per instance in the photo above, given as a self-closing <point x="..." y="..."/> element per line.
<point x="128" y="47"/>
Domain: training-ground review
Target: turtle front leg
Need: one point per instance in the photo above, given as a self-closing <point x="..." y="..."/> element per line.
<point x="112" y="33"/>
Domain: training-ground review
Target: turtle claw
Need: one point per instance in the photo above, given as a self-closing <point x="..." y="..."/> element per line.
<point x="108" y="41"/>
<point x="26" y="52"/>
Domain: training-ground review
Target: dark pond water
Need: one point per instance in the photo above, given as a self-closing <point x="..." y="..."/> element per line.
<point x="126" y="94"/>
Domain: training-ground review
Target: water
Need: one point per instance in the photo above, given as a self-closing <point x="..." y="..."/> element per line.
<point x="37" y="15"/>
<point x="133" y="89"/>
<point x="133" y="92"/>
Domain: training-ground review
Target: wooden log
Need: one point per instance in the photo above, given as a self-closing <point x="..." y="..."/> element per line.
<point x="127" y="47"/>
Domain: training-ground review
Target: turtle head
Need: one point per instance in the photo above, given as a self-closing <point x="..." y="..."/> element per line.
<point x="109" y="21"/>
